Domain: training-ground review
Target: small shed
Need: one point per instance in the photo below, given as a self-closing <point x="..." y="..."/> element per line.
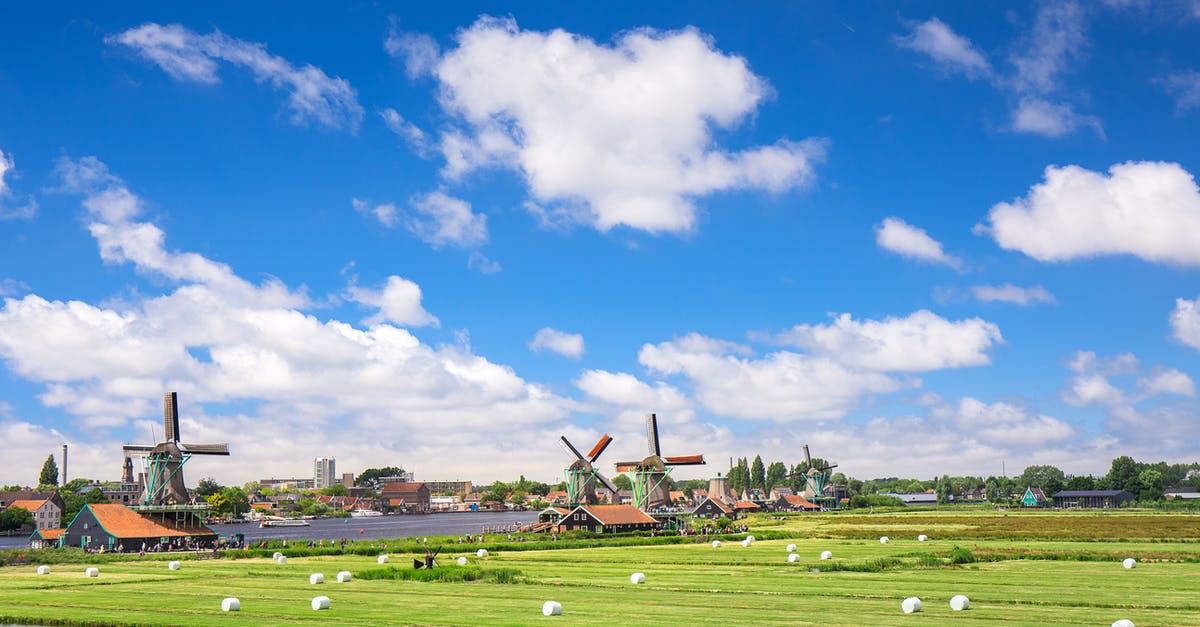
<point x="1091" y="499"/>
<point x="45" y="538"/>
<point x="607" y="519"/>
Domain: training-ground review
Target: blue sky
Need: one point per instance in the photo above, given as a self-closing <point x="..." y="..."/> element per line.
<point x="933" y="238"/>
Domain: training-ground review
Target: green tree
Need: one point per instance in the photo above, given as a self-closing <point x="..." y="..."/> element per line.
<point x="1080" y="482"/>
<point x="1123" y="475"/>
<point x="251" y="487"/>
<point x="95" y="495"/>
<point x="207" y="487"/>
<point x="944" y="490"/>
<point x="776" y="475"/>
<point x="621" y="481"/>
<point x="49" y="474"/>
<point x="758" y="473"/>
<point x="370" y="478"/>
<point x="239" y="501"/>
<point x="1150" y="485"/>
<point x="15" y="518"/>
<point x="336" y="489"/>
<point x="218" y="503"/>
<point x="1049" y="478"/>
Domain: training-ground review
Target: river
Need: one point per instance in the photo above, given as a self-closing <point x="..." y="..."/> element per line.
<point x="370" y="528"/>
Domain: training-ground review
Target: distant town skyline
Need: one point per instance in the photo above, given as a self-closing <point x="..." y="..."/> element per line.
<point x="925" y="239"/>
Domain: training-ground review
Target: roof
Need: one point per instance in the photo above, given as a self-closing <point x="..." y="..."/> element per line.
<point x="746" y="505"/>
<point x="121" y="522"/>
<point x="721" y="506"/>
<point x="798" y="500"/>
<point x="398" y="487"/>
<point x="1183" y="490"/>
<point x="618" y="514"/>
<point x="48" y="534"/>
<point x="1069" y="493"/>
<point x="29" y="505"/>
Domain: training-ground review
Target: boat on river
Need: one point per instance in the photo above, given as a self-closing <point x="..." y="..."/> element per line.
<point x="283" y="522"/>
<point x="365" y="513"/>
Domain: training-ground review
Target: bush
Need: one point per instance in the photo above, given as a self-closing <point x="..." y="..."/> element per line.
<point x="959" y="555"/>
<point x="445" y="573"/>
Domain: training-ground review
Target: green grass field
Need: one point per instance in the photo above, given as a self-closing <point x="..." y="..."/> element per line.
<point x="1031" y="571"/>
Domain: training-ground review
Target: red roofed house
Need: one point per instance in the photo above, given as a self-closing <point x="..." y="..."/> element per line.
<point x="412" y="497"/>
<point x="745" y="506"/>
<point x="46" y="514"/>
<point x="794" y="503"/>
<point x="607" y="519"/>
<point x="45" y="538"/>
<point x="112" y="527"/>
<point x="556" y="497"/>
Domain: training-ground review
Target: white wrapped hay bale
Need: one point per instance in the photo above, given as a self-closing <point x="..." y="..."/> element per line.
<point x="793" y="557"/>
<point x="320" y="603"/>
<point x="959" y="602"/>
<point x="552" y="608"/>
<point x="281" y="560"/>
<point x="43" y="570"/>
<point x="173" y="565"/>
<point x="746" y="543"/>
<point x="1129" y="563"/>
<point x="382" y="559"/>
<point x="922" y="538"/>
<point x="231" y="604"/>
<point x="462" y="561"/>
<point x="751" y="539"/>
<point x="911" y="605"/>
<point x="277" y="555"/>
<point x="343" y="576"/>
<point x="791" y="548"/>
<point x="316" y="578"/>
<point x="716" y="544"/>
<point x="637" y="578"/>
<point x="826" y="555"/>
<point x="1124" y="622"/>
<point x="883" y="539"/>
<point x="481" y="553"/>
<point x="91" y="572"/>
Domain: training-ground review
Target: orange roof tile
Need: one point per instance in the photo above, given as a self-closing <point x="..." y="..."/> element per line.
<point x="798" y="500"/>
<point x="50" y="534"/>
<point x="618" y="514"/>
<point x="28" y="505"/>
<point x="746" y="505"/>
<point x="122" y="522"/>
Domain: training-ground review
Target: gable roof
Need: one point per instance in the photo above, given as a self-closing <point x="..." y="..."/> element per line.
<point x="394" y="488"/>
<point x="121" y="522"/>
<point x="798" y="500"/>
<point x="618" y="514"/>
<point x="746" y="505"/>
<point x="721" y="506"/>
<point x="28" y="504"/>
<point x="48" y="534"/>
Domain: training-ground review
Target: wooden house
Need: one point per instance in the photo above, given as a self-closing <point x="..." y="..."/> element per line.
<point x="607" y="519"/>
<point x="113" y="527"/>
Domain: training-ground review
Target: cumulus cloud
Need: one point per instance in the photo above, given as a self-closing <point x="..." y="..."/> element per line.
<point x="951" y="51"/>
<point x="782" y="386"/>
<point x="906" y="240"/>
<point x="398" y="302"/>
<point x="10" y="207"/>
<point x="309" y="385"/>
<point x="385" y="214"/>
<point x="1009" y="293"/>
<point x="1147" y="209"/>
<point x="624" y="132"/>
<point x="1004" y="423"/>
<point x="1035" y="115"/>
<point x="921" y="341"/>
<point x="1167" y="381"/>
<point x="441" y="220"/>
<point x="1046" y="52"/>
<point x="561" y="342"/>
<point x="313" y="96"/>
<point x="1185" y="322"/>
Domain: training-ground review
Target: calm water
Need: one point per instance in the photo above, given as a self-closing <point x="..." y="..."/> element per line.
<point x="363" y="528"/>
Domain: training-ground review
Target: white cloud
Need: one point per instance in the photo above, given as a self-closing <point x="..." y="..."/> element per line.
<point x="1167" y="381"/>
<point x="906" y="240"/>
<point x="1147" y="209"/>
<point x="1185" y="322"/>
<point x="620" y="388"/>
<point x="308" y="386"/>
<point x="624" y="131"/>
<point x="439" y="220"/>
<point x="481" y="262"/>
<point x="419" y="52"/>
<point x="188" y="56"/>
<point x="1117" y="365"/>
<point x="1092" y="389"/>
<point x="951" y="51"/>
<point x="1035" y="115"/>
<point x="1006" y="424"/>
<point x="1185" y="86"/>
<point x="561" y="342"/>
<point x="385" y="213"/>
<point x="398" y="301"/>
<point x="1047" y="51"/>
<point x="783" y="386"/>
<point x="28" y="210"/>
<point x="409" y="132"/>
<point x="1009" y="293"/>
<point x="922" y="341"/>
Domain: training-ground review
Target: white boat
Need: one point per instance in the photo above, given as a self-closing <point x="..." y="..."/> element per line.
<point x="365" y="513"/>
<point x="283" y="522"/>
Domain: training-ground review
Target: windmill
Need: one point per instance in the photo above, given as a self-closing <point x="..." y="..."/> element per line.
<point x="582" y="476"/>
<point x="163" y="462"/>
<point x="815" y="480"/>
<point x="649" y="476"/>
<point x="428" y="562"/>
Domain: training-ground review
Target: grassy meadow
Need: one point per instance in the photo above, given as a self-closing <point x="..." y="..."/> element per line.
<point x="1029" y="568"/>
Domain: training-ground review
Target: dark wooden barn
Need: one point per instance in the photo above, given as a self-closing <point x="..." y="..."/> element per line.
<point x="607" y="519"/>
<point x="114" y="527"/>
<point x="1091" y="499"/>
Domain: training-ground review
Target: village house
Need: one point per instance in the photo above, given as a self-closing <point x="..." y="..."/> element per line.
<point x="46" y="514"/>
<point x="794" y="503"/>
<point x="607" y="519"/>
<point x="413" y="498"/>
<point x="711" y="508"/>
<point x="113" y="527"/>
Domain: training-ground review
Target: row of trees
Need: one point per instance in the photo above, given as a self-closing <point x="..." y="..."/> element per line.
<point x="756" y="474"/>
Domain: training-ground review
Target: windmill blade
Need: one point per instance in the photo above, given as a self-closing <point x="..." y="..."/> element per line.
<point x="205" y="449"/>
<point x="171" y="416"/>
<point x="604" y="480"/>
<point x="627" y="466"/>
<point x="807" y="459"/>
<point x="566" y="444"/>
<point x="602" y="444"/>
<point x="829" y="467"/>
<point x="418" y="564"/>
<point x="652" y="435"/>
<point x="684" y="460"/>
<point x="136" y="448"/>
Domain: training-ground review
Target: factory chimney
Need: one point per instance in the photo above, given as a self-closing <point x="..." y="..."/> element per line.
<point x="64" y="470"/>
